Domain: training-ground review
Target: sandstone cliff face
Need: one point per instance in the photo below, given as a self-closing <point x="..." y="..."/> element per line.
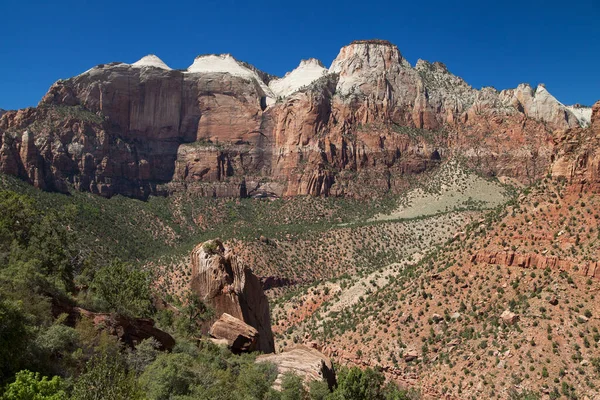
<point x="221" y="281"/>
<point x="577" y="158"/>
<point x="537" y="261"/>
<point x="223" y="128"/>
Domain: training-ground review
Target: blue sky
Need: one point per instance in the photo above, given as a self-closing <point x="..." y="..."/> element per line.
<point x="499" y="44"/>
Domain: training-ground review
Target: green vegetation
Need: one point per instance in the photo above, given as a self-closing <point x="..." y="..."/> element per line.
<point x="121" y="288"/>
<point x="108" y="255"/>
<point x="31" y="386"/>
<point x="43" y="357"/>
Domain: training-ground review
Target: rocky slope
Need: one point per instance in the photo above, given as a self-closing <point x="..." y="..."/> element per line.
<point x="223" y="128"/>
<point x="506" y="309"/>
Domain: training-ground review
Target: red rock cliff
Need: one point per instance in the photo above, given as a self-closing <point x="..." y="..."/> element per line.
<point x="223" y="128"/>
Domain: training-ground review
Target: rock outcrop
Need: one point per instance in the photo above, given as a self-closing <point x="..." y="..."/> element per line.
<point x="224" y="128"/>
<point x="577" y="158"/>
<point x="537" y="261"/>
<point x="308" y="363"/>
<point x="221" y="280"/>
<point x="235" y="333"/>
<point x="130" y="331"/>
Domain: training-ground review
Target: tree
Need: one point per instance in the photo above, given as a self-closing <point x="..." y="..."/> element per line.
<point x="169" y="376"/>
<point x="357" y="384"/>
<point x="144" y="354"/>
<point x="106" y="378"/>
<point x="292" y="387"/>
<point x="193" y="312"/>
<point x="13" y="338"/>
<point x="254" y="380"/>
<point x="318" y="390"/>
<point x="34" y="246"/>
<point x="30" y="386"/>
<point x="123" y="289"/>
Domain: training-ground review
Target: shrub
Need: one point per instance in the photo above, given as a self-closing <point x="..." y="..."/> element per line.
<point x="31" y="386"/>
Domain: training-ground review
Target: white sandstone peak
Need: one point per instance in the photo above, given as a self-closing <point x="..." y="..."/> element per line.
<point x="151" y="61"/>
<point x="220" y="63"/>
<point x="541" y="105"/>
<point x="311" y="61"/>
<point x="306" y="73"/>
<point x="225" y="63"/>
<point x="583" y="114"/>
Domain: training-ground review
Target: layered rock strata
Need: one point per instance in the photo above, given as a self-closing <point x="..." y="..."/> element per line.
<point x="224" y="128"/>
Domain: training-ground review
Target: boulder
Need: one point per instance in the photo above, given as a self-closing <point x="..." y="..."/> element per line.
<point x="223" y="282"/>
<point x="310" y="364"/>
<point x="509" y="317"/>
<point x="411" y="355"/>
<point x="130" y="331"/>
<point x="238" y="335"/>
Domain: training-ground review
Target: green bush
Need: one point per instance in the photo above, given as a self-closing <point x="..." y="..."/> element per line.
<point x="31" y="386"/>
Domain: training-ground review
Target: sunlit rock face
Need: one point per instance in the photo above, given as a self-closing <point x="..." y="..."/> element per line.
<point x="223" y="128"/>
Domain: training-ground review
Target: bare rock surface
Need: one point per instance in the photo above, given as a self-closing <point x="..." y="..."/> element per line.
<point x="577" y="157"/>
<point x="310" y="364"/>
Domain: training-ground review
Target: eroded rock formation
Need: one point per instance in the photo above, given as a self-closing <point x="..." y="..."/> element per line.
<point x="223" y="128"/>
<point x="537" y="261"/>
<point x="223" y="282"/>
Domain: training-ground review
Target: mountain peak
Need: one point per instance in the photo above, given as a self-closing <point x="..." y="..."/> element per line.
<point x="307" y="72"/>
<point x="311" y="62"/>
<point x="151" y="61"/>
<point x="365" y="55"/>
<point x="220" y="63"/>
<point x="374" y="41"/>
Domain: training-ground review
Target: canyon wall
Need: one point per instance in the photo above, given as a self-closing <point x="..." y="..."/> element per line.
<point x="223" y="128"/>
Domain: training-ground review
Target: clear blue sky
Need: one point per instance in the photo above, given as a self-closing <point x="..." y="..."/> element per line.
<point x="496" y="43"/>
